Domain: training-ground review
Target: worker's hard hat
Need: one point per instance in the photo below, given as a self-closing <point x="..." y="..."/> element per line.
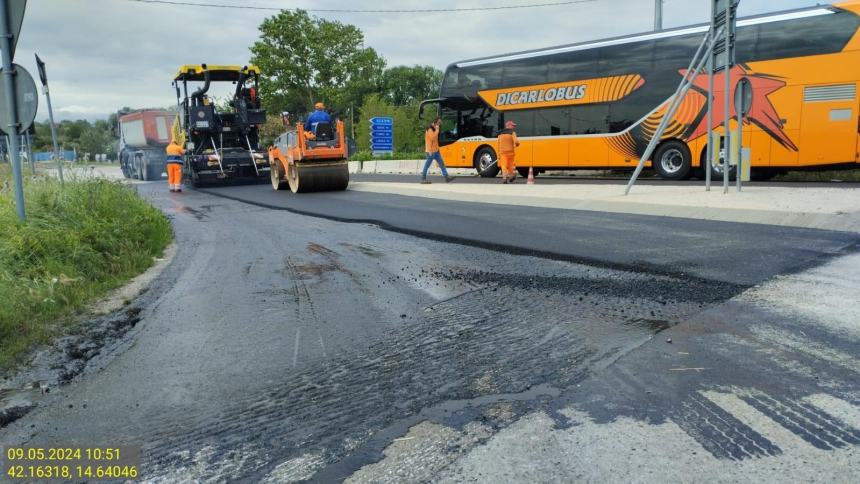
<point x="319" y="106"/>
<point x="510" y="125"/>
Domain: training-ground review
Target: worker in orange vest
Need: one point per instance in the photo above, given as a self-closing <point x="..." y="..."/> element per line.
<point x="174" y="166"/>
<point x="507" y="144"/>
<point x="431" y="147"/>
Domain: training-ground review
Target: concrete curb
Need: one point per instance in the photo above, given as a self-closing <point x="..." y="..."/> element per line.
<point x="839" y="221"/>
<point x="402" y="167"/>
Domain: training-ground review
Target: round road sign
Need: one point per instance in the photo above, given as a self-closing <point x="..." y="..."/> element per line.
<point x="744" y="95"/>
<point x="26" y="100"/>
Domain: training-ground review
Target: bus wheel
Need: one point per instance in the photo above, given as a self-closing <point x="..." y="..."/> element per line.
<point x="717" y="168"/>
<point x="486" y="162"/>
<point x="672" y="161"/>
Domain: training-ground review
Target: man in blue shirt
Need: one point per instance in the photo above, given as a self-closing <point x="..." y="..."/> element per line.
<point x="318" y="116"/>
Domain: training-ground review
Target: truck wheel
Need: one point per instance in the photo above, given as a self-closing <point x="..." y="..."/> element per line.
<point x="123" y="164"/>
<point x="486" y="162"/>
<point x="195" y="179"/>
<point x="145" y="172"/>
<point x="154" y="172"/>
<point x="672" y="161"/>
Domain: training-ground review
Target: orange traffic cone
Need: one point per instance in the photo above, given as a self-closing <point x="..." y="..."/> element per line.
<point x="531" y="179"/>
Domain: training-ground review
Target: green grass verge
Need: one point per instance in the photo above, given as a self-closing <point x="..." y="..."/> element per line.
<point x="79" y="242"/>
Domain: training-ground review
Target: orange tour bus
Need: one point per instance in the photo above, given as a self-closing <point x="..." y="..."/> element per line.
<point x="596" y="105"/>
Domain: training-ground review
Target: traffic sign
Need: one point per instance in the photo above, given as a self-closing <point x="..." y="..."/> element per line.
<point x="43" y="75"/>
<point x="724" y="19"/>
<point x="743" y="96"/>
<point x="26" y="100"/>
<point x="382" y="134"/>
<point x="15" y="15"/>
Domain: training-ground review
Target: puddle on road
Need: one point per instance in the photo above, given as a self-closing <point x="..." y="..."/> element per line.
<point x="198" y="214"/>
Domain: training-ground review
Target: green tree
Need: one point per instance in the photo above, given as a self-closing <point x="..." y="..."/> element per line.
<point x="403" y="85"/>
<point x="408" y="127"/>
<point x="95" y="138"/>
<point x="306" y="59"/>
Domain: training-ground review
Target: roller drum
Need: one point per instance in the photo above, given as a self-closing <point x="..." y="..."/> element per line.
<point x="316" y="177"/>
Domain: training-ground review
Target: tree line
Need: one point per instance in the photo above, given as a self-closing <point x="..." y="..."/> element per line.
<point x="82" y="136"/>
<point x="306" y="59"/>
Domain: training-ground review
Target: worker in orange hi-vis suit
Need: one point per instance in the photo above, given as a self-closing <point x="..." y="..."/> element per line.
<point x="507" y="144"/>
<point x="174" y="166"/>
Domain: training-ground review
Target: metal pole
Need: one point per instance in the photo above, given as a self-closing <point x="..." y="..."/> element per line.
<point x="658" y="14"/>
<point x="53" y="133"/>
<point x="693" y="69"/>
<point x="739" y="107"/>
<point x="709" y="154"/>
<point x="728" y="105"/>
<point x="30" y="154"/>
<point x="12" y="121"/>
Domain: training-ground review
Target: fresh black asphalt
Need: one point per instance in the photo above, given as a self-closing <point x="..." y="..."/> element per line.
<point x="736" y="253"/>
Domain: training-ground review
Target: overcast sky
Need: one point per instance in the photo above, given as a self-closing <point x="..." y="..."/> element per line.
<point x="105" y="54"/>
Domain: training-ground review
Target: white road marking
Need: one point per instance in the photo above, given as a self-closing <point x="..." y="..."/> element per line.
<point x="801" y="344"/>
<point x="322" y="345"/>
<point x="296" y="350"/>
<point x="761" y="423"/>
<point x="836" y="407"/>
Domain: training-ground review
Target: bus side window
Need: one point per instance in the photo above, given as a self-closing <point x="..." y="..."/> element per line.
<point x="571" y="66"/>
<point x="525" y="121"/>
<point x="525" y="72"/>
<point x="552" y="121"/>
<point x="590" y="119"/>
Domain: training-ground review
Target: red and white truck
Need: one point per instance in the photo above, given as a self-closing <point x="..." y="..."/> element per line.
<point x="143" y="136"/>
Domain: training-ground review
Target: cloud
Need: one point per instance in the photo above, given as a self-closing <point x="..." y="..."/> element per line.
<point x="105" y="54"/>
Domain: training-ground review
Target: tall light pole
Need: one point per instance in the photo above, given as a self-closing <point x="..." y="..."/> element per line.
<point x="658" y="14"/>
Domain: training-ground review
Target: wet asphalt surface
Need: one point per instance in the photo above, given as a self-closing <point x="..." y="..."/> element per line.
<point x="280" y="346"/>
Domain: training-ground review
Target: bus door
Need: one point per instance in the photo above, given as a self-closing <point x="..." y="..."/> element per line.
<point x="828" y="131"/>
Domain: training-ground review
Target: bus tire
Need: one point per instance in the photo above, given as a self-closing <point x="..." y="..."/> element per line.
<point x="486" y="162"/>
<point x="672" y="160"/>
<point x="716" y="170"/>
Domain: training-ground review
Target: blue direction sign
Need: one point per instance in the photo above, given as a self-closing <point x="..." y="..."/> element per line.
<point x="382" y="134"/>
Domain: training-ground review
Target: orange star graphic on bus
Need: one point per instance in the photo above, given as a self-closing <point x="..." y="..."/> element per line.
<point x="762" y="112"/>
